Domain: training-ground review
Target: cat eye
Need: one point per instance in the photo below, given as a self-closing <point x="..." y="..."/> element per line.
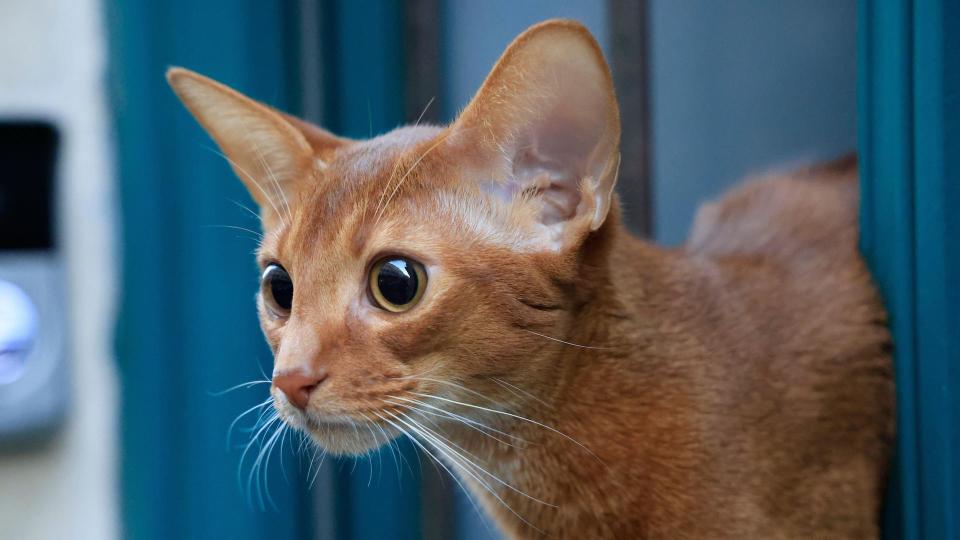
<point x="397" y="283"/>
<point x="277" y="289"/>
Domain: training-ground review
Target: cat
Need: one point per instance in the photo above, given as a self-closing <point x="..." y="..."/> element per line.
<point x="472" y="287"/>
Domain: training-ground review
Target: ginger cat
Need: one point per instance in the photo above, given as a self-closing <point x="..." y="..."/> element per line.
<point x="472" y="287"/>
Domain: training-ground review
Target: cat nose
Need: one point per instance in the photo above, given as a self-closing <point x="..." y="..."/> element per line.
<point x="298" y="386"/>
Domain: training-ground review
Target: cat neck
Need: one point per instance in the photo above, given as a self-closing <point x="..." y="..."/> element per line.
<point x="625" y="287"/>
<point x="561" y="448"/>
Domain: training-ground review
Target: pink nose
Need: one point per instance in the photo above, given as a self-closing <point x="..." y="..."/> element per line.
<point x="298" y="386"/>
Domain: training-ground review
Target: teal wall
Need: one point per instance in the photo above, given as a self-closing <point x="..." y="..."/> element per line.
<point x="909" y="81"/>
<point x="187" y="326"/>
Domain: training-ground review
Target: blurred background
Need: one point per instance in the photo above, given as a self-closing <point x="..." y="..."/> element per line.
<point x="126" y="293"/>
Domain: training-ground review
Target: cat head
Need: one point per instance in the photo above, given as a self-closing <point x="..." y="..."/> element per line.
<point x="426" y="267"/>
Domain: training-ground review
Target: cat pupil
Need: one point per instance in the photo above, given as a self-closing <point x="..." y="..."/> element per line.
<point x="398" y="281"/>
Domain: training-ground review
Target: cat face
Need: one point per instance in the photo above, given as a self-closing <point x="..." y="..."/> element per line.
<point x="426" y="269"/>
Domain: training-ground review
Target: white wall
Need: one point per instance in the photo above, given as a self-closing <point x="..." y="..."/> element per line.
<point x="53" y="66"/>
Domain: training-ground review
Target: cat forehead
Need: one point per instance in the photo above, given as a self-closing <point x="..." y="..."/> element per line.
<point x="373" y="157"/>
<point x="354" y="191"/>
<point x="373" y="190"/>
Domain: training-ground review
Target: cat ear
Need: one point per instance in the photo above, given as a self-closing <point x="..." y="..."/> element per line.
<point x="271" y="152"/>
<point x="545" y="126"/>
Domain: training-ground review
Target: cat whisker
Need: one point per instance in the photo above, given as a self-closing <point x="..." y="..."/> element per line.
<point x="311" y="449"/>
<point x="456" y="457"/>
<point x="244" y="413"/>
<point x="265" y="413"/>
<point x="459" y="451"/>
<point x="356" y="433"/>
<point x="454" y="416"/>
<point x="276" y="184"/>
<point x="386" y="187"/>
<point x="469" y="422"/>
<point x="461" y="465"/>
<point x="367" y="424"/>
<point x="419" y="118"/>
<point x="273" y="418"/>
<point x="440" y="412"/>
<point x="439" y="434"/>
<point x="283" y="470"/>
<point x="311" y="473"/>
<point x="281" y="432"/>
<point x="316" y="474"/>
<point x="565" y="342"/>
<point x="413" y="167"/>
<point x="252" y="179"/>
<point x="455" y="385"/>
<point x="427" y="439"/>
<point x="304" y="441"/>
<point x="507" y="156"/>
<point x="415" y="375"/>
<point x="262" y="464"/>
<point x="314" y="466"/>
<point x="247" y="384"/>
<point x="518" y="391"/>
<point x="512" y="415"/>
<point x="262" y="371"/>
<point x="406" y="434"/>
<point x="435" y="460"/>
<point x="248" y="210"/>
<point x="390" y="445"/>
<point x="257" y="237"/>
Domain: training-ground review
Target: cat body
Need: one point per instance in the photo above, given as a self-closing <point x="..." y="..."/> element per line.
<point x="472" y="287"/>
<point x="741" y="388"/>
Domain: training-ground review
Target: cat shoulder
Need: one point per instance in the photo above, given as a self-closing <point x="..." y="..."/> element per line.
<point x="798" y="215"/>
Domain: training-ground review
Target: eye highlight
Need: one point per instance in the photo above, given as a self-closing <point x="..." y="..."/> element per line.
<point x="397" y="283"/>
<point x="277" y="289"/>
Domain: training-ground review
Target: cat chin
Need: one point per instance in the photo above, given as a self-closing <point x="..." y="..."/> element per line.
<point x="343" y="439"/>
<point x="340" y="437"/>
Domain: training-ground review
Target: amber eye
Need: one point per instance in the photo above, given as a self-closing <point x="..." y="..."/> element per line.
<point x="277" y="289"/>
<point x="397" y="283"/>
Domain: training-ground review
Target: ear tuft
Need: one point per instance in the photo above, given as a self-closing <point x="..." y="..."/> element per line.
<point x="546" y="123"/>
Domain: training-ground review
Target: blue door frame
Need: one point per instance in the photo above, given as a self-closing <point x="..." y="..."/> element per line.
<point x="909" y="57"/>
